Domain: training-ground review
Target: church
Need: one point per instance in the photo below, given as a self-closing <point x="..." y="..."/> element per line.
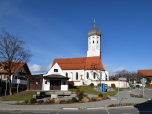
<point x="82" y="70"/>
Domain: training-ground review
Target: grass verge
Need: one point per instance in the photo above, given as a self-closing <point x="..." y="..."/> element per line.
<point x="149" y="87"/>
<point x="89" y="90"/>
<point x="20" y="96"/>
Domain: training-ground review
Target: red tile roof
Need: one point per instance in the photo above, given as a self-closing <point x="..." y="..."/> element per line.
<point x="79" y="63"/>
<point x="147" y="72"/>
<point x="15" y="68"/>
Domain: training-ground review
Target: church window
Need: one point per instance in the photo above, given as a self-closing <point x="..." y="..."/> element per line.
<point x="92" y="37"/>
<point x="93" y="41"/>
<point x="55" y="70"/>
<point x="97" y="42"/>
<point x="76" y="75"/>
<point x="94" y="75"/>
<point x="87" y="75"/>
<point x="66" y="74"/>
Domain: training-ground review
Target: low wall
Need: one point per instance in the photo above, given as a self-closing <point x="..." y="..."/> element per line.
<point x="122" y="84"/>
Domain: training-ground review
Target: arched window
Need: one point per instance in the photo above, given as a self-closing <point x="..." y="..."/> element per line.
<point x="94" y="75"/>
<point x="66" y="74"/>
<point x="93" y="41"/>
<point x="87" y="75"/>
<point x="76" y="75"/>
<point x="97" y="42"/>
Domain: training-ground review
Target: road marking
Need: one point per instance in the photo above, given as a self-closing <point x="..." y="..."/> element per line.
<point x="70" y="108"/>
<point x="107" y="109"/>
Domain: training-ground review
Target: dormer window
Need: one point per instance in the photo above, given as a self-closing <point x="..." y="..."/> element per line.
<point x="55" y="70"/>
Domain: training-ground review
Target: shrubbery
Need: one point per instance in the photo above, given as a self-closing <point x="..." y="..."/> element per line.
<point x="85" y="100"/>
<point x="57" y="101"/>
<point x="79" y="93"/>
<point x="73" y="99"/>
<point x="100" y="95"/>
<point x="80" y="98"/>
<point x="32" y="100"/>
<point x="26" y="101"/>
<point x="99" y="85"/>
<point x="40" y="101"/>
<point x="91" y="84"/>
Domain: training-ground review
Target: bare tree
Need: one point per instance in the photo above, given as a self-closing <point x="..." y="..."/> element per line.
<point x="12" y="52"/>
<point x="95" y="69"/>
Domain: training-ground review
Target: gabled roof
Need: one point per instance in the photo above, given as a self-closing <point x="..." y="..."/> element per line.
<point x="79" y="63"/>
<point x="15" y="67"/>
<point x="147" y="72"/>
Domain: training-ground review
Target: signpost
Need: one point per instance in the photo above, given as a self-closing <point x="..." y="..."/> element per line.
<point x="118" y="86"/>
<point x="143" y="81"/>
<point x="18" y="81"/>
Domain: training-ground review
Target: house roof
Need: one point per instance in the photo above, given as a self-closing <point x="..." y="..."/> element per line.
<point x="15" y="68"/>
<point x="147" y="72"/>
<point x="79" y="63"/>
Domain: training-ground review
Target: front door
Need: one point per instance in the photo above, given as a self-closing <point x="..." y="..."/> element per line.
<point x="55" y="84"/>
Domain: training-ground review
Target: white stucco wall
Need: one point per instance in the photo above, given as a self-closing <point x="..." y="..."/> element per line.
<point x="93" y="48"/>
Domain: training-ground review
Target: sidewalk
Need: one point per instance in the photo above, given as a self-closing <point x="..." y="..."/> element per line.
<point x="124" y="98"/>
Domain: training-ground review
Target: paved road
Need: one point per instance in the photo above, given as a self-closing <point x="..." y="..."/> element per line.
<point x="119" y="110"/>
<point x="147" y="92"/>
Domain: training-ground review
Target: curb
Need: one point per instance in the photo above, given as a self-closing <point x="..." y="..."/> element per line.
<point x="120" y="107"/>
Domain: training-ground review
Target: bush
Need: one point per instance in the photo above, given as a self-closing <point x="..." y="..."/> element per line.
<point x="113" y="85"/>
<point x="73" y="99"/>
<point x="98" y="98"/>
<point x="49" y="101"/>
<point x="80" y="98"/>
<point x="85" y="100"/>
<point x="148" y="80"/>
<point x="92" y="99"/>
<point x="32" y="100"/>
<point x="68" y="101"/>
<point x="105" y="98"/>
<point x="100" y="95"/>
<point x="57" y="101"/>
<point x="26" y="101"/>
<point x="79" y="93"/>
<point x="63" y="101"/>
<point x="91" y="84"/>
<point x="40" y="101"/>
<point x="99" y="85"/>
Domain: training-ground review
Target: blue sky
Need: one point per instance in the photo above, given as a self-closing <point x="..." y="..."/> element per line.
<point x="59" y="29"/>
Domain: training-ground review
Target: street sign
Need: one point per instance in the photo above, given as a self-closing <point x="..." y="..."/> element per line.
<point x="122" y="79"/>
<point x="18" y="81"/>
<point x="143" y="81"/>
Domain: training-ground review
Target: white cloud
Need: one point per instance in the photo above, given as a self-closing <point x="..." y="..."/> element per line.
<point x="119" y="70"/>
<point x="40" y="69"/>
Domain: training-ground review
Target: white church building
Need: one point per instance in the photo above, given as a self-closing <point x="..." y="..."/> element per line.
<point x="82" y="70"/>
<point x="85" y="70"/>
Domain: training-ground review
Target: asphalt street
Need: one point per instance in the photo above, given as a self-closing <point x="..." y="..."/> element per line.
<point x="118" y="110"/>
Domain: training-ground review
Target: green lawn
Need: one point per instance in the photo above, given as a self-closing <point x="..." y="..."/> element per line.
<point x="89" y="90"/>
<point x="20" y="96"/>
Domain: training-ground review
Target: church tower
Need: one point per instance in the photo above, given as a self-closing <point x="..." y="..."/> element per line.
<point x="94" y="36"/>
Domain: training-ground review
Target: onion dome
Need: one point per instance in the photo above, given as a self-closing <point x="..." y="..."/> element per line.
<point x="94" y="31"/>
